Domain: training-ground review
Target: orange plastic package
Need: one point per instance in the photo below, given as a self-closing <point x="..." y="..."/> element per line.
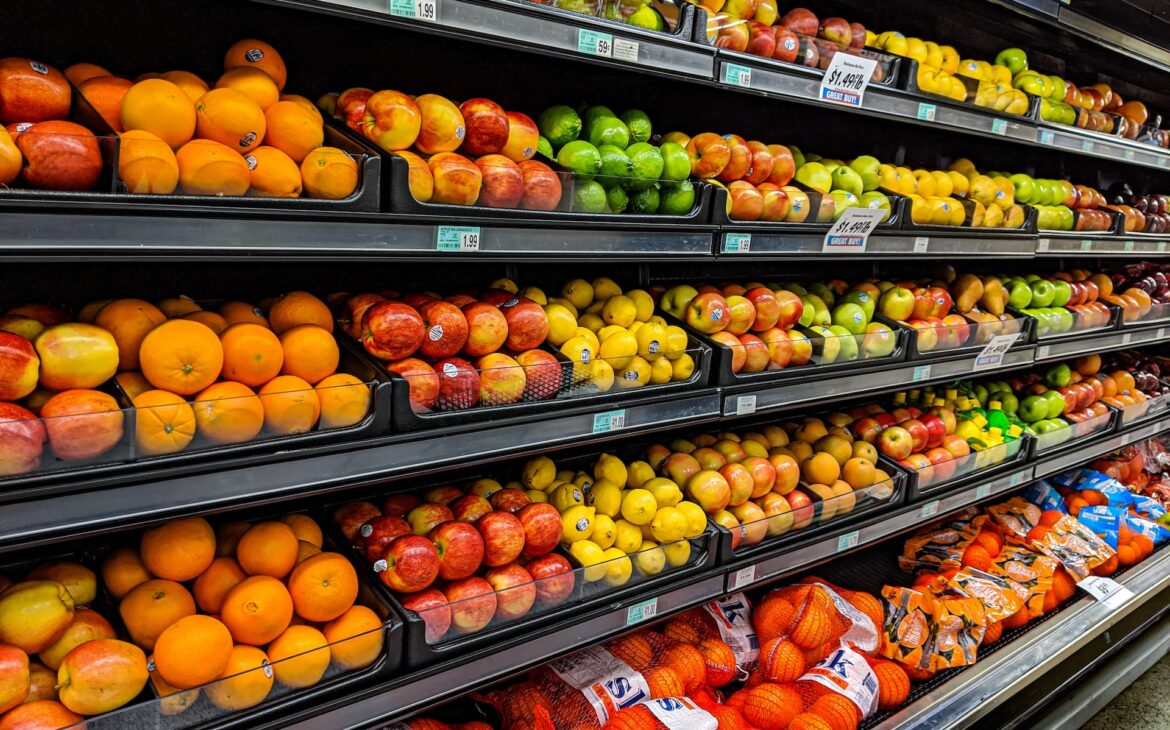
<point x="1001" y="597"/>
<point x="1017" y="517"/>
<point x="1077" y="547"/>
<point x="931" y="633"/>
<point x="940" y="547"/>
<point x="1032" y="572"/>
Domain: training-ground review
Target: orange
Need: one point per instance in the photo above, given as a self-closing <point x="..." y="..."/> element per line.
<point x="771" y="706"/>
<point x="237" y="312"/>
<point x="252" y="83"/>
<point x="297" y="308"/>
<point x="178" y="306"/>
<point x="976" y="556"/>
<point x="274" y="174"/>
<point x="172" y="700"/>
<point x="323" y="587"/>
<point x="164" y="422"/>
<point x="355" y="638"/>
<point x="104" y="94"/>
<point x="993" y="633"/>
<point x="257" y="610"/>
<point x="207" y="167"/>
<point x="150" y="607"/>
<point x="720" y="661"/>
<point x="689" y="628"/>
<point x="178" y="550"/>
<point x="146" y="164"/>
<point x="228" y="536"/>
<point x="773" y="618"/>
<point x="122" y="570"/>
<point x="305" y="528"/>
<point x="79" y="73"/>
<point x="192" y="651"/>
<point x="293" y="129"/>
<point x="191" y="84"/>
<point x="781" y="661"/>
<point x="304" y="103"/>
<point x="217" y="323"/>
<point x="10" y="159"/>
<point x="345" y="400"/>
<point x="821" y="468"/>
<point x="268" y="548"/>
<point x="252" y="354"/>
<point x="181" y="356"/>
<point x="809" y="721"/>
<point x="161" y="108"/>
<point x="838" y="711"/>
<point x="663" y="681"/>
<point x="245" y="681"/>
<point x="299" y="656"/>
<point x="869" y="605"/>
<point x="329" y="173"/>
<point x="231" y="118"/>
<point x="813" y="627"/>
<point x="635" y="650"/>
<point x="251" y="53"/>
<point x="290" y="405"/>
<point x="688" y="663"/>
<point x="310" y="352"/>
<point x="129" y="320"/>
<point x="990" y="542"/>
<point x="893" y="685"/>
<point x="229" y="413"/>
<point x="213" y="584"/>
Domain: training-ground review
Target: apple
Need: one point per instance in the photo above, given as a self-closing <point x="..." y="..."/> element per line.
<point x="743" y="314"/>
<point x="502" y="379"/>
<point x="779" y="348"/>
<point x="469" y="508"/>
<point x="554" y="578"/>
<point x="740" y="482"/>
<point x="460" y="549"/>
<point x="515" y="591"/>
<point x="410" y="563"/>
<point x="542" y="186"/>
<point x="59" y="156"/>
<point x="786" y="48"/>
<point x="503" y="537"/>
<point x="442" y="128"/>
<point x="422" y="382"/>
<point x="432" y="607"/>
<point x="542" y="374"/>
<point x="350" y="107"/>
<point x="503" y="182"/>
<point x="802" y="21"/>
<point x="101" y="675"/>
<point x="761" y="39"/>
<point x="735" y="347"/>
<point x="527" y="325"/>
<point x="776" y="202"/>
<point x="355" y="308"/>
<point x="392" y="120"/>
<point x="709" y="154"/>
<point x="378" y="532"/>
<point x="458" y="383"/>
<point x="783" y="170"/>
<point x="473" y="604"/>
<point x="350" y="517"/>
<point x="509" y="499"/>
<point x="936" y="430"/>
<point x="803" y="511"/>
<point x="740" y="160"/>
<point x="837" y="30"/>
<point x="896" y="442"/>
<point x="31" y="91"/>
<point x="897" y="303"/>
<point x="959" y="327"/>
<point x="82" y="424"/>
<point x="867" y="429"/>
<point x="708" y="313"/>
<point x="542" y="528"/>
<point x="392" y="330"/>
<point x="446" y="329"/>
<point x="857" y="42"/>
<point x="487" y="329"/>
<point x="458" y="180"/>
<point x="763" y="475"/>
<point x="444" y="495"/>
<point x="523" y="135"/>
<point x="757" y="354"/>
<point x="730" y="523"/>
<point x="22" y="439"/>
<point x="87" y="625"/>
<point x="802" y="348"/>
<point x="680" y="467"/>
<point x="927" y="334"/>
<point x="956" y="445"/>
<point x="487" y="126"/>
<point x="918" y="433"/>
<point x="425" y="517"/>
<point x="14" y="676"/>
<point x="710" y="490"/>
<point x="790" y="309"/>
<point x="779" y="513"/>
<point x="761" y="163"/>
<point x="731" y="33"/>
<point x="674" y="301"/>
<point x="922" y="464"/>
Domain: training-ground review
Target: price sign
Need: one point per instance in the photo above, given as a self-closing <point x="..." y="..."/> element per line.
<point x="742" y="577"/>
<point x="737" y="242"/>
<point x="1127" y="246"/>
<point x="745" y="405"/>
<point x="1087" y="145"/>
<point x="1046" y="137"/>
<point x="1016" y="479"/>
<point x="1162" y="162"/>
<point x="457" y="238"/>
<point x="992" y="354"/>
<point x="1042" y="245"/>
<point x="594" y="43"/>
<point x="1086" y="246"/>
<point x="926" y="111"/>
<point x="982" y="491"/>
<point x="1041" y="352"/>
<point x="1161" y="247"/>
<point x="1128" y="154"/>
<point x="930" y="509"/>
<point x="1126" y="338"/>
<point x="922" y="372"/>
<point x="921" y="244"/>
<point x="640" y="612"/>
<point x="1106" y="590"/>
<point x="624" y="50"/>
<point x="737" y="75"/>
<point x="852" y="229"/>
<point x="609" y="421"/>
<point x="848" y="541"/>
<point x="999" y="126"/>
<point x="845" y="79"/>
<point x="427" y="10"/>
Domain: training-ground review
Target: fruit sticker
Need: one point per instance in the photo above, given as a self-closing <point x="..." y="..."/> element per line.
<point x="39" y="67"/>
<point x="606" y="682"/>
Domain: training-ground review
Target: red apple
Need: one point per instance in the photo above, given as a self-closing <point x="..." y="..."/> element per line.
<point x="509" y="499"/>
<point x="767" y="308"/>
<point x="59" y="156"/>
<point x="777" y="204"/>
<point x="790" y="309"/>
<point x="734" y="346"/>
<point x="936" y="430"/>
<point x="732" y="33"/>
<point x="740" y="161"/>
<point x="422" y="383"/>
<point x="867" y="429"/>
<point x="427" y="516"/>
<point x="14" y="676"/>
<point x="473" y="604"/>
<point x="956" y="445"/>
<point x="709" y="154"/>
<point x="942" y="462"/>
<point x="499" y="297"/>
<point x="527" y="325"/>
<point x="858" y="36"/>
<point x="802" y="21"/>
<point x="803" y="510"/>
<point x="409" y="564"/>
<point x="458" y="180"/>
<point x="432" y="607"/>
<point x="554" y="578"/>
<point x="896" y="442"/>
<point x="542" y="374"/>
<point x="920" y="463"/>
<point x="351" y="516"/>
<point x="739" y="480"/>
<point x="392" y="330"/>
<point x="680" y="467"/>
<point x="503" y="537"/>
<point x="469" y="508"/>
<point x="502" y="380"/>
<point x="397" y="505"/>
<point x="351" y="107"/>
<point x="787" y="47"/>
<point x="392" y="120"/>
<point x="757" y="355"/>
<point x="487" y="126"/>
<point x="743" y="314"/>
<point x="443" y="495"/>
<point x="708" y="312"/>
<point x="779" y="348"/>
<point x="446" y="329"/>
<point x="19" y="367"/>
<point x="503" y="183"/>
<point x="460" y="549"/>
<point x="458" y="383"/>
<point x="487" y="329"/>
<point x="515" y="591"/>
<point x="802" y="349"/>
<point x="919" y="435"/>
<point x="836" y="30"/>
<point x="378" y="532"/>
<point x="542" y="528"/>
<point x="523" y="135"/>
<point x="31" y="91"/>
<point x="442" y="127"/>
<point x="542" y="187"/>
<point x="747" y="202"/>
<point x="761" y="163"/>
<point x="761" y="39"/>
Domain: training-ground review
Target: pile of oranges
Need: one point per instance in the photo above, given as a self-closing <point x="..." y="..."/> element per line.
<point x="242" y="136"/>
<point x="210" y="607"/>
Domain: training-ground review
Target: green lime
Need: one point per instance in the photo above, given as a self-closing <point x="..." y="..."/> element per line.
<point x="616" y="199"/>
<point x="647" y="165"/>
<point x="560" y="124"/>
<point x="676" y="164"/>
<point x="647" y="17"/>
<point x="645" y="201"/>
<point x="677" y="198"/>
<point x="588" y="197"/>
<point x="615" y="163"/>
<point x="592" y="113"/>
<point x="638" y="123"/>
<point x="580" y="157"/>
<point x="609" y="130"/>
<point x="544" y="147"/>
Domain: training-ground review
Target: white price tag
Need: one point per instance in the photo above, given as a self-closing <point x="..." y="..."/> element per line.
<point x="745" y="405"/>
<point x="1086" y="245"/>
<point x="1161" y="247"/>
<point x="1162" y="162"/>
<point x="624" y="50"/>
<point x="993" y="352"/>
<point x="1046" y="137"/>
<point x="852" y="229"/>
<point x="921" y="244"/>
<point x="1126" y="338"/>
<point x="1127" y="246"/>
<point x="742" y="577"/>
<point x="457" y="238"/>
<point x="1106" y="590"/>
<point x="1042" y="245"/>
<point x="930" y="509"/>
<point x="845" y="79"/>
<point x="1161" y="333"/>
<point x="609" y="421"/>
<point x="921" y="372"/>
<point x="737" y="75"/>
<point x="594" y="43"/>
<point x="848" y="541"/>
<point x="737" y="242"/>
<point x="640" y="612"/>
<point x="1016" y="479"/>
<point x="1087" y="145"/>
<point x="1127" y="154"/>
<point x="1041" y="352"/>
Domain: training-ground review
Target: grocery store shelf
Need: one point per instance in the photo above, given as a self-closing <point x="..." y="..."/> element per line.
<point x="1079" y="244"/>
<point x="1098" y="447"/>
<point x="1100" y="342"/>
<point x="753" y="244"/>
<point x="1096" y="144"/>
<point x="976" y="691"/>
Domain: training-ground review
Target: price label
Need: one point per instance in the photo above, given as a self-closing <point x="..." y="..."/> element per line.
<point x="427" y="10"/>
<point x="921" y="372"/>
<point x="609" y="421"/>
<point x="848" y="541"/>
<point x="921" y="244"/>
<point x="742" y="577"/>
<point x="1126" y="338"/>
<point x="745" y="405"/>
<point x="594" y="43"/>
<point x="457" y="238"/>
<point x="1016" y="479"/>
<point x="624" y="50"/>
<point x="1161" y="333"/>
<point x="1086" y="246"/>
<point x="999" y="126"/>
<point x="982" y="491"/>
<point x="1087" y="145"/>
<point x="1161" y="247"/>
<point x="992" y="354"/>
<point x="930" y="509"/>
<point x="1041" y="352"/>
<point x="1046" y="137"/>
<point x="926" y="111"/>
<point x="737" y="75"/>
<point x="1162" y="162"/>
<point x="1127" y="154"/>
<point x="1042" y="245"/>
<point x="737" y="242"/>
<point x="852" y="229"/>
<point x="1106" y="590"/>
<point x="1127" y="246"/>
<point x="640" y="612"/>
<point x="845" y="79"/>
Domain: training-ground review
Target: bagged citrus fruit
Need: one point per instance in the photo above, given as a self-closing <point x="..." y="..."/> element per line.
<point x="940" y="546"/>
<point x="1077" y="548"/>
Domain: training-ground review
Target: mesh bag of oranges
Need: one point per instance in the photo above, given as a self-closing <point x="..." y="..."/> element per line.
<point x="669" y="713"/>
<point x="728" y="621"/>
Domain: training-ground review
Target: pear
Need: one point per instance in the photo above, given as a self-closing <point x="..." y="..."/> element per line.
<point x="967" y="291"/>
<point x="993" y="295"/>
<point x="815" y="176"/>
<point x="847" y="179"/>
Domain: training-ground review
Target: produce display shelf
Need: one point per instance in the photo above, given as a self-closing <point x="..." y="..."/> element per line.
<point x="1100" y="342"/>
<point x="747" y="245"/>
<point x="1096" y="144"/>
<point x="1081" y="244"/>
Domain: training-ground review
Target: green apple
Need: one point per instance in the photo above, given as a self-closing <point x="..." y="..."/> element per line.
<point x="825" y="344"/>
<point x="1057" y="376"/>
<point x="798" y="159"/>
<point x="808" y="312"/>
<point x="1015" y="59"/>
<point x="1024" y="186"/>
<point x="843" y="200"/>
<point x="813" y="175"/>
<point x="1059" y="88"/>
<point x="1055" y="403"/>
<point x="846" y="341"/>
<point x="1062" y="292"/>
<point x="1066" y="220"/>
<point x="795" y="288"/>
<point x="1032" y="409"/>
<point x="876" y="200"/>
<point x="867" y="167"/>
<point x="1031" y="83"/>
<point x="1042" y="293"/>
<point x="879" y="340"/>
<point x="1019" y="294"/>
<point x="847" y="179"/>
<point x="862" y="299"/>
<point x="1008" y="402"/>
<point x="851" y="317"/>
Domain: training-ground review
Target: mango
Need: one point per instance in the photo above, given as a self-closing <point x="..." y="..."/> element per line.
<point x="101" y="676"/>
<point x="34" y="614"/>
<point x="13" y="677"/>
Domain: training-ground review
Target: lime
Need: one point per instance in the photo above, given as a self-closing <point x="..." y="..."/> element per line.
<point x="560" y="124"/>
<point x="645" y="201"/>
<point x="588" y="197"/>
<point x="544" y="147"/>
<point x="592" y="113"/>
<point x="609" y="130"/>
<point x="676" y="164"/>
<point x="637" y="121"/>
<point x="647" y="165"/>
<point x="580" y="157"/>
<point x="677" y="198"/>
<point x="616" y="199"/>
<point x="615" y="163"/>
<point x="647" y="17"/>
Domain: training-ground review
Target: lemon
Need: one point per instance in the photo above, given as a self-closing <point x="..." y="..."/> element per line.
<point x="577" y="523"/>
<point x="643" y="304"/>
<point x="677" y="553"/>
<point x="538" y="473"/>
<point x="666" y="492"/>
<point x="591" y="336"/>
<point x="604" y="531"/>
<point x="536" y="495"/>
<point x="682" y="368"/>
<point x="566" y="496"/>
<point x="639" y="506"/>
<point x="581" y="352"/>
<point x="634" y="375"/>
<point x="590" y="555"/>
<point x="618" y="567"/>
<point x="650" y="558"/>
<point x="627" y="536"/>
<point x="517" y="485"/>
<point x="591" y="322"/>
<point x="562" y="324"/>
<point x="607" y="498"/>
<point x="696" y="518"/>
<point x="595" y="308"/>
<point x="583" y="480"/>
<point x="651" y="340"/>
<point x="610" y="330"/>
<point x="506" y="284"/>
<point x="619" y="349"/>
<point x="676" y="342"/>
<point x="610" y="468"/>
<point x="569" y="306"/>
<point x="566" y="475"/>
<point x="551" y="488"/>
<point x="534" y="293"/>
<point x="661" y="371"/>
<point x="619" y="310"/>
<point x="484" y="488"/>
<point x="579" y="292"/>
<point x="657" y="319"/>
<point x="604" y="288"/>
<point x="638" y="473"/>
<point x="602" y="375"/>
<point x="669" y="525"/>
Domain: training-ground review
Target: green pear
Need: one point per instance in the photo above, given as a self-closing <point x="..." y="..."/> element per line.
<point x="847" y="179"/>
<point x="813" y="175"/>
<point x="809" y="311"/>
<point x="846" y="341"/>
<point x="795" y="288"/>
<point x="821" y="316"/>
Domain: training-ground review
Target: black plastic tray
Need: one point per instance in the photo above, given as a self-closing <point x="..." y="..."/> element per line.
<point x="1116" y="227"/>
<point x="1074" y="334"/>
<point x="1075" y="441"/>
<point x="719" y="216"/>
<point x="966" y="350"/>
<point x="915" y="491"/>
<point x="908" y="81"/>
<point x="816" y="73"/>
<point x="1027" y="232"/>
<point x="691" y="26"/>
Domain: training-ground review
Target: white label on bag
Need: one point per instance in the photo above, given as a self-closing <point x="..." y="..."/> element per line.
<point x="846" y="78"/>
<point x="847" y="673"/>
<point x="606" y="682"/>
<point x="731" y="615"/>
<point x="851" y="231"/>
<point x="992" y="354"/>
<point x="681" y="713"/>
<point x="1106" y="590"/>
